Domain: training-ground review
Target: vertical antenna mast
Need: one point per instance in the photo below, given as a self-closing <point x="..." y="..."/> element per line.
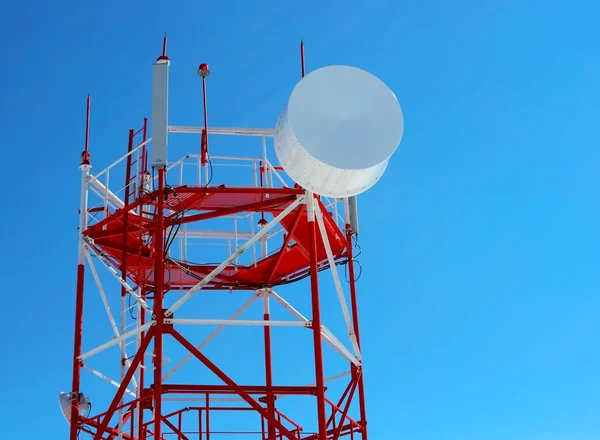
<point x="85" y="156"/>
<point x="137" y="233"/>
<point x="204" y="72"/>
<point x="302" y="56"/>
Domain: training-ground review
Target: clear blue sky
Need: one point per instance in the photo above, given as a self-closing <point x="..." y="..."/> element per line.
<point x="480" y="287"/>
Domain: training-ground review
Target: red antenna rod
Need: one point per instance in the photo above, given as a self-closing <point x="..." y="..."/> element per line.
<point x="164" y="50"/>
<point x="203" y="72"/>
<point x="302" y="56"/>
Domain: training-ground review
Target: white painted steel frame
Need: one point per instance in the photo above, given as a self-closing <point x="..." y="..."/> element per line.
<point x="242" y="322"/>
<point x="107" y="379"/>
<point x="270" y="175"/>
<point x="337" y="282"/>
<point x="210" y="337"/>
<point x="325" y="333"/>
<point x="115" y="341"/>
<point x="121" y="281"/>
<point x="224" y="130"/>
<point x="217" y="270"/>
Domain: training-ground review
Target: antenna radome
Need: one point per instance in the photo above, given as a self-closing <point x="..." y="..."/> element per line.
<point x="339" y="129"/>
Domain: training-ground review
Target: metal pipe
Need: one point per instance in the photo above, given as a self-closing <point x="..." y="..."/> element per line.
<point x="302" y="56"/>
<point x="354" y="305"/>
<point x="159" y="272"/>
<point x="316" y="321"/>
<point x="79" y="301"/>
<point x="79" y="294"/>
<point x="268" y="364"/>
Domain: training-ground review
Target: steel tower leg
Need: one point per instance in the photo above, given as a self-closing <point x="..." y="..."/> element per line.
<point x="85" y="170"/>
<point x="158" y="303"/>
<point x="361" y="387"/>
<point x="316" y="320"/>
<point x="270" y="399"/>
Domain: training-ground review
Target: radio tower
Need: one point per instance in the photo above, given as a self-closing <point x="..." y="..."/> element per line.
<point x="183" y="257"/>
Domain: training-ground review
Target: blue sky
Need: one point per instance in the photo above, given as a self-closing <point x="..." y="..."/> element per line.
<point x="479" y="297"/>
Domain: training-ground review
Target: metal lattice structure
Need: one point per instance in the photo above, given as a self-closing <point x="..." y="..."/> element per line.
<point x="144" y="230"/>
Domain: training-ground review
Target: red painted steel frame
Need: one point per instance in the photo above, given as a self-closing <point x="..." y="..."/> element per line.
<point x="158" y="302"/>
<point x="274" y="427"/>
<point x="79" y="294"/>
<point x="77" y="348"/>
<point x="352" y="277"/>
<point x="332" y="420"/>
<point x="316" y="321"/>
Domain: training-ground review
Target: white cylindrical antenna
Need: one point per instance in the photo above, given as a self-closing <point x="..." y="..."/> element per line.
<point x="160" y="109"/>
<point x="338" y="131"/>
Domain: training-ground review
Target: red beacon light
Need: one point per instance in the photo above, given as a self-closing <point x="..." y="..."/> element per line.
<point x="203" y="70"/>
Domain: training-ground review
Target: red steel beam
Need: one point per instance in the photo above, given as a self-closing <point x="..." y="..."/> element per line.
<point x="250" y="207"/>
<point x="240" y="391"/>
<point x="316" y="321"/>
<point x="354" y="305"/>
<point x="180" y="435"/>
<point x="228" y="389"/>
<point x="159" y="270"/>
<point x="270" y="397"/>
<point x="121" y="391"/>
<point x="338" y="431"/>
<point x="284" y="249"/>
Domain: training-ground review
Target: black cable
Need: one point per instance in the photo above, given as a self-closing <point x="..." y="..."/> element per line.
<point x="174" y="229"/>
<point x="180" y="216"/>
<point x="254" y="285"/>
<point x="210" y="170"/>
<point x="355" y="240"/>
<point x="129" y="307"/>
<point x="360" y="273"/>
<point x="346" y="275"/>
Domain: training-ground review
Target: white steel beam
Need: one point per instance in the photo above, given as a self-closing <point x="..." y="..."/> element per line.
<point x="325" y="334"/>
<point x="107" y="379"/>
<point x="194" y="290"/>
<point x="224" y="130"/>
<point x="107" y="193"/>
<point x="115" y="341"/>
<point x="134" y="150"/>
<point x="339" y="346"/>
<point x="216" y="235"/>
<point x="276" y="174"/>
<point x="244" y="322"/>
<point x="111" y="318"/>
<point x="336" y="281"/>
<point x="209" y="338"/>
<point x="132" y="292"/>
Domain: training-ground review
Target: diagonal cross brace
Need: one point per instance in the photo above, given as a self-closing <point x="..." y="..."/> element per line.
<point x="208" y="278"/>
<point x="337" y="282"/>
<point x="239" y="390"/>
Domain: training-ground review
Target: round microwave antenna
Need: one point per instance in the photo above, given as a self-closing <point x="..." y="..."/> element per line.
<point x="70" y="400"/>
<point x="338" y="131"/>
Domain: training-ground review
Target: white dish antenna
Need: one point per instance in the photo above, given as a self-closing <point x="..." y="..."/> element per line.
<point x="69" y="400"/>
<point x="339" y="129"/>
